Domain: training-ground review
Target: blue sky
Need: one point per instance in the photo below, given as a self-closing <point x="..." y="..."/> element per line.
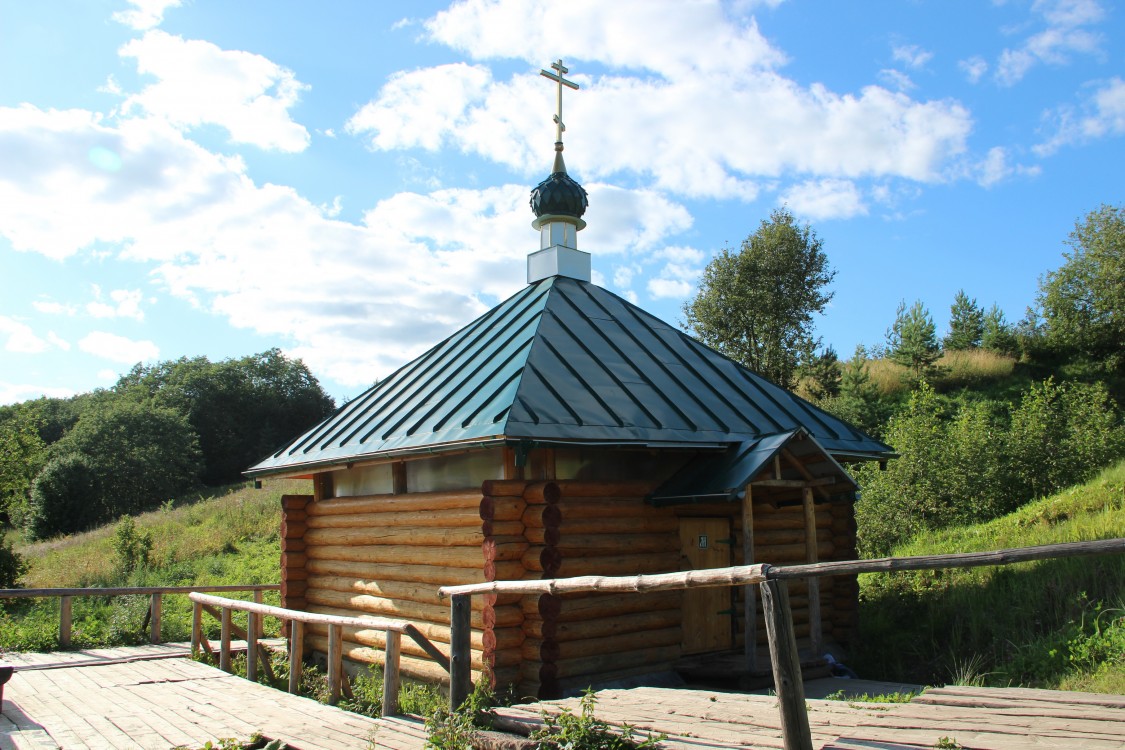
<point x="348" y="181"/>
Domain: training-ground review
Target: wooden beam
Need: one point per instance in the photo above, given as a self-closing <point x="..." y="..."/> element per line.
<point x="800" y="467"/>
<point x="252" y="625"/>
<point x="391" y="674"/>
<point x="296" y="655"/>
<point x="335" y="662"/>
<point x="224" y="643"/>
<point x="460" y="654"/>
<point x="795" y="731"/>
<point x="155" y="606"/>
<point x="815" y="625"/>
<point x="799" y="484"/>
<point x="196" y="629"/>
<point x="65" y="621"/>
<point x="749" y="596"/>
<point x="398" y="478"/>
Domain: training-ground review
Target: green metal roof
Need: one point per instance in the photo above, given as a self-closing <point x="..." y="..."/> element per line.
<point x="564" y="361"/>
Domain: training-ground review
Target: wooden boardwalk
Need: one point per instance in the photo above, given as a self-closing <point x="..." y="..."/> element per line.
<point x="144" y="698"/>
<point x="979" y="718"/>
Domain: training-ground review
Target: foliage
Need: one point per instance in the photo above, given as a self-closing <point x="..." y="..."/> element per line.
<point x="966" y="323"/>
<point x="565" y="730"/>
<point x="12" y="566"/>
<point x="241" y="409"/>
<point x="824" y="375"/>
<point x="131" y="548"/>
<point x="455" y="730"/>
<point x="996" y="334"/>
<point x="858" y="400"/>
<point x="1040" y="624"/>
<point x="22" y="455"/>
<point x="895" y="697"/>
<point x="136" y="457"/>
<point x="756" y="305"/>
<point x="1083" y="302"/>
<point x="912" y="339"/>
<point x="967" y="461"/>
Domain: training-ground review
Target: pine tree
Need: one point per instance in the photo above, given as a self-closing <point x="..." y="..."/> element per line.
<point x="998" y="335"/>
<point x="912" y="340"/>
<point x="824" y="373"/>
<point x="966" y="323"/>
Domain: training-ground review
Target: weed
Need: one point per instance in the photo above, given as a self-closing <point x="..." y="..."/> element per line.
<point x="896" y="697"/>
<point x="948" y="743"/>
<point x="565" y="730"/>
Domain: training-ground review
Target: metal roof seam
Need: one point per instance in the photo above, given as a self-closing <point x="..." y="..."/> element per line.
<point x="586" y="384"/>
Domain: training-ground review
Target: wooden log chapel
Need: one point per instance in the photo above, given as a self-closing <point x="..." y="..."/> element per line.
<point x="568" y="432"/>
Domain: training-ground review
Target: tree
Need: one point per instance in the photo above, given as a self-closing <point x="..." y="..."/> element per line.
<point x="997" y="334"/>
<point x="1083" y="302"/>
<point x="859" y="402"/>
<point x="22" y="455"/>
<point x="912" y="340"/>
<point x="756" y="305"/>
<point x="241" y="409"/>
<point x="824" y="375"/>
<point x="966" y="323"/>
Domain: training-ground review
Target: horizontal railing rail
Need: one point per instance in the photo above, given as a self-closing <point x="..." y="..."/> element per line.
<point x="780" y="634"/>
<point x="155" y="607"/>
<point x="393" y="630"/>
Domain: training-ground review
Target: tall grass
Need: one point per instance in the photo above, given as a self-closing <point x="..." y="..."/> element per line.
<point x="969" y="368"/>
<point x="228" y="538"/>
<point x="1051" y="623"/>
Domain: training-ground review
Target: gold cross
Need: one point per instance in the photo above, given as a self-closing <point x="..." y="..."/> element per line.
<point x="558" y="78"/>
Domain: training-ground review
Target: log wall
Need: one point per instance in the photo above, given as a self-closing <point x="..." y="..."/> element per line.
<point x="293" y="573"/>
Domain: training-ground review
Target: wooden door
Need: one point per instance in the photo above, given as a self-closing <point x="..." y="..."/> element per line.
<point x="706" y="543"/>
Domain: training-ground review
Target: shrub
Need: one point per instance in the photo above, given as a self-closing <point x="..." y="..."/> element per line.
<point x="66" y="497"/>
<point x="132" y="548"/>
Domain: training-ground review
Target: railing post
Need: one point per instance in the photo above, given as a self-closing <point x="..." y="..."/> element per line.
<point x="252" y="619"/>
<point x="154" y="608"/>
<point x="64" y="621"/>
<point x="296" y="654"/>
<point x="335" y="662"/>
<point x="391" y="677"/>
<point x="258" y="600"/>
<point x="224" y="648"/>
<point x="795" y="731"/>
<point x="196" y="629"/>
<point x="460" y="656"/>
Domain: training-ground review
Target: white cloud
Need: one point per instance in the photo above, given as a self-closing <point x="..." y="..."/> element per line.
<point x="1065" y="34"/>
<point x="974" y="68"/>
<point x="680" y="124"/>
<point x="825" y="199"/>
<point x="18" y="337"/>
<point x="911" y="55"/>
<point x="49" y="307"/>
<point x="896" y="79"/>
<point x="145" y="14"/>
<point x="118" y="348"/>
<point x="108" y="376"/>
<point x="126" y="304"/>
<point x="14" y="393"/>
<point x="994" y="168"/>
<point x="668" y="288"/>
<point x="354" y="300"/>
<point x="1099" y="115"/>
<point x="58" y="341"/>
<point x="198" y="83"/>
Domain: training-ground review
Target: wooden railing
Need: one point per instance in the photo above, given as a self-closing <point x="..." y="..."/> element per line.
<point x="66" y="595"/>
<point x="780" y="634"/>
<point x="394" y="630"/>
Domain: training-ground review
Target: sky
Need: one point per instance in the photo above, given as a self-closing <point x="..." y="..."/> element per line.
<point x="349" y="181"/>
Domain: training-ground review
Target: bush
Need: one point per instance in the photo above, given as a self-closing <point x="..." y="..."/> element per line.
<point x="65" y="497"/>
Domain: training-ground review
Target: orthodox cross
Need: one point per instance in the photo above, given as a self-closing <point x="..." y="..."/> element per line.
<point x="558" y="78"/>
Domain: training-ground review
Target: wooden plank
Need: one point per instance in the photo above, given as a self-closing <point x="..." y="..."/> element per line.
<point x="296" y="655"/>
<point x="335" y="662"/>
<point x="154" y="609"/>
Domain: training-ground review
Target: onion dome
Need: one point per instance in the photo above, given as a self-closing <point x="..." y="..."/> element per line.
<point x="559" y="195"/>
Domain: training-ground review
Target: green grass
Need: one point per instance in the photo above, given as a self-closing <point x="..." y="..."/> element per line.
<point x="230" y="537"/>
<point x="1051" y="623"/>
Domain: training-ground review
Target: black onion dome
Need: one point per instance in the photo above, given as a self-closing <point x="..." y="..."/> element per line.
<point x="559" y="195"/>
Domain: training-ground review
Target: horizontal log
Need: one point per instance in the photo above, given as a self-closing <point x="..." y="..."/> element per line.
<point x="501" y="508"/>
<point x="633" y="489"/>
<point x="416" y="501"/>
<point x="503" y="487"/>
<point x="289" y="574"/>
<point x="589" y="606"/>
<point x="778" y="537"/>
<point x="405" y="573"/>
<point x="503" y="570"/>
<point x="618" y="565"/>
<point x="292" y="545"/>
<point x="296" y="515"/>
<point x="553" y="650"/>
<point x="501" y="615"/>
<point x="448" y="518"/>
<point x="419" y="669"/>
<point x="546" y="536"/>
<point x="415" y="592"/>
<point x="506" y="616"/>
<point x="295" y="502"/>
<point x="504" y="678"/>
<point x="294" y="560"/>
<point x="602" y="544"/>
<point x="457" y="557"/>
<point x="293" y="529"/>
<point x="502" y="639"/>
<point x="617" y="525"/>
<point x="666" y="581"/>
<point x="377" y="639"/>
<point x="295" y="588"/>
<point x="541" y="559"/>
<point x="541" y="516"/>
<point x="423" y="536"/>
<point x="501" y="528"/>
<point x="603" y="626"/>
<point x="542" y="493"/>
<point x="504" y="548"/>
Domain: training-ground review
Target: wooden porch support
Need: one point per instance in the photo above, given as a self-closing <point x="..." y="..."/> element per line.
<point x="815" y="625"/>
<point x="749" y="597"/>
<point x="795" y="731"/>
<point x="460" y="667"/>
<point x="65" y="621"/>
<point x="296" y="655"/>
<point x="155" y="606"/>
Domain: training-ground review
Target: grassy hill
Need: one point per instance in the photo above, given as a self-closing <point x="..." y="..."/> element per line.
<point x="1052" y="623"/>
<point x="230" y="537"/>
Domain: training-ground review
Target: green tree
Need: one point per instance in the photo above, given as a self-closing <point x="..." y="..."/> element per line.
<point x="22" y="455"/>
<point x="912" y="339"/>
<point x="858" y="402"/>
<point x="966" y="323"/>
<point x="756" y="305"/>
<point x="997" y="335"/>
<point x="1083" y="302"/>
<point x="241" y="409"/>
<point x="66" y="498"/>
<point x="824" y="375"/>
